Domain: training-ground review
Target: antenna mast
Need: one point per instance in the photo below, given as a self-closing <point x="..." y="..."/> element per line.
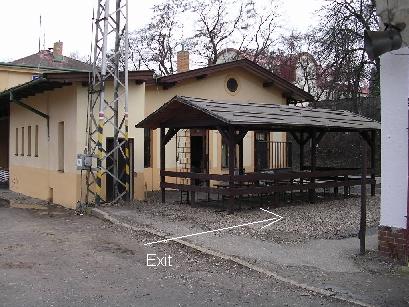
<point x="108" y="109"/>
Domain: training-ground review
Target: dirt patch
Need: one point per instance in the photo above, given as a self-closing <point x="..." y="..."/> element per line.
<point x="16" y="265"/>
<point x="4" y="203"/>
<point x="114" y="247"/>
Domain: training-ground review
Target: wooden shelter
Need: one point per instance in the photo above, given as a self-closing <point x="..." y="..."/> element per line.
<point x="234" y="119"/>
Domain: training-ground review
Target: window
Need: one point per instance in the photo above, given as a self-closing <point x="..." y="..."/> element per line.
<point x="147" y="148"/>
<point x="61" y="146"/>
<point x="29" y="141"/>
<point x="22" y="141"/>
<point x="16" y="151"/>
<point x="36" y="142"/>
<point x="232" y="85"/>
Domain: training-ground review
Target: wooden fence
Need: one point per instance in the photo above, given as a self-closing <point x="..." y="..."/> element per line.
<point x="265" y="183"/>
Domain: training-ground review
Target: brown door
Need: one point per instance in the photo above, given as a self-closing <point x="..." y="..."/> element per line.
<point x="261" y="151"/>
<point x="199" y="151"/>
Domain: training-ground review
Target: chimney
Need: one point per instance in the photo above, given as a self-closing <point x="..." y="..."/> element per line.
<point x="182" y="61"/>
<point x="57" y="51"/>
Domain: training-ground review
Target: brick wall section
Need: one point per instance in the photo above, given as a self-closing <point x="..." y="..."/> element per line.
<point x="392" y="243"/>
<point x="182" y="61"/>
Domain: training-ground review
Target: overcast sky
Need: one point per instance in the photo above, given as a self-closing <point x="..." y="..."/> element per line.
<point x="70" y="22"/>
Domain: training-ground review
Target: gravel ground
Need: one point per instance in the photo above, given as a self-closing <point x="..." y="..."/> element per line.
<point x="326" y="219"/>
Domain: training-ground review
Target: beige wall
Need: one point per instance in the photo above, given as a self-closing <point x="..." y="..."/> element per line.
<point x="213" y="87"/>
<point x="40" y="176"/>
<point x="10" y="77"/>
<point x="136" y="114"/>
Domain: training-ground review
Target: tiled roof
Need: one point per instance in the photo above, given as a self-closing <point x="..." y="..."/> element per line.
<point x="45" y="59"/>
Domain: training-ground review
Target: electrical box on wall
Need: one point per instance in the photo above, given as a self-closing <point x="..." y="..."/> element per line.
<point x="84" y="162"/>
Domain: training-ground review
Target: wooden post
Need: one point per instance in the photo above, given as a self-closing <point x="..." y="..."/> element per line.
<point x="241" y="157"/>
<point x="362" y="224"/>
<point x="162" y="162"/>
<point x="346" y="187"/>
<point x="313" y="162"/>
<point x="232" y="158"/>
<point x="373" y="161"/>
<point x="301" y="157"/>
<point x="301" y="151"/>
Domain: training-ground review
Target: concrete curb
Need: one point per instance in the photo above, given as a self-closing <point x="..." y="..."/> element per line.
<point x="107" y="217"/>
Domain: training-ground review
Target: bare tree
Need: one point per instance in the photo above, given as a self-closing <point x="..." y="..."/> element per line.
<point x="154" y="46"/>
<point x="339" y="46"/>
<point x="218" y="21"/>
<point x="77" y="56"/>
<point x="258" y="34"/>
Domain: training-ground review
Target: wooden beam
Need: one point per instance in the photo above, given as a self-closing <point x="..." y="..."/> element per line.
<point x="366" y="137"/>
<point x="239" y="137"/>
<point x="201" y="77"/>
<point x="162" y="162"/>
<point x="295" y="136"/>
<point x="373" y="161"/>
<point x="31" y="109"/>
<point x="301" y="143"/>
<point x="169" y="135"/>
<point x="268" y="83"/>
<point x="313" y="162"/>
<point x="241" y="148"/>
<point x="232" y="159"/>
<point x="307" y="139"/>
<point x="168" y="85"/>
<point x="362" y="224"/>
<point x="288" y="94"/>
<point x="224" y="132"/>
<point x="320" y="136"/>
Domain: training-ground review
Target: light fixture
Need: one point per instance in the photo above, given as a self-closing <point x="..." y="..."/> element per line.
<point x="379" y="42"/>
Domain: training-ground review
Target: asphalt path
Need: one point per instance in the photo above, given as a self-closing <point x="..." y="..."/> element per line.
<point x="51" y="257"/>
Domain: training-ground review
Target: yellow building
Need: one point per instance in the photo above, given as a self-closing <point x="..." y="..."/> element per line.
<point x="48" y="121"/>
<point x="25" y="70"/>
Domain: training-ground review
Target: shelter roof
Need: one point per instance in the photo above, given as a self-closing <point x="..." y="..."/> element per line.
<point x="50" y="81"/>
<point x="188" y="112"/>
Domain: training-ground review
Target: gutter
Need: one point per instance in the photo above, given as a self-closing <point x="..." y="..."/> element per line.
<point x="43" y="68"/>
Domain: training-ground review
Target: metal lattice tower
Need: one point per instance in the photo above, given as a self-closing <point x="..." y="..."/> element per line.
<point x="108" y="109"/>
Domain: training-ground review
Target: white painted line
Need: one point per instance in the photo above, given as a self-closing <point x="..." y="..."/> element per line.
<point x="278" y="216"/>
<point x="272" y="221"/>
